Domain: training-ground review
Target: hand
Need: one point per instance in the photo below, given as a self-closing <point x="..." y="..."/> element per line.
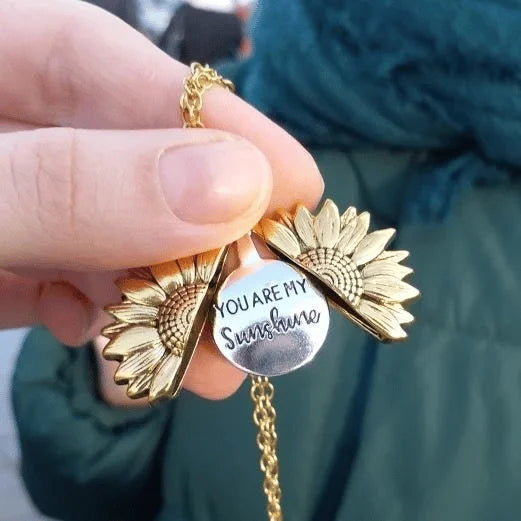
<point x="78" y="204"/>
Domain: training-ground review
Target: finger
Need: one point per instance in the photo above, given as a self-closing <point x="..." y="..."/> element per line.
<point x="57" y="305"/>
<point x="12" y="125"/>
<point x="27" y="296"/>
<point x="66" y="312"/>
<point x="85" y="68"/>
<point x="109" y="200"/>
<point x="210" y="375"/>
<point x="74" y="319"/>
<point x="18" y="299"/>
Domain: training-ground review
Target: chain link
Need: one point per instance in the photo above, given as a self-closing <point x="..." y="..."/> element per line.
<point x="201" y="78"/>
<point x="264" y="416"/>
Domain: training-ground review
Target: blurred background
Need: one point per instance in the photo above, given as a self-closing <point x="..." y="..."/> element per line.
<point x="15" y="504"/>
<point x="188" y="32"/>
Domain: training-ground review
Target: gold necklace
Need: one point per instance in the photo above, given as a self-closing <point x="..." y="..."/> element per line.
<point x="268" y="317"/>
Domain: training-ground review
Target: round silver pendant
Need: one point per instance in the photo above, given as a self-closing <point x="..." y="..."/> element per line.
<point x="268" y="318"/>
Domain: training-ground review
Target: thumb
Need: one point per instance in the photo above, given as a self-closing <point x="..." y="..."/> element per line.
<point x="85" y="199"/>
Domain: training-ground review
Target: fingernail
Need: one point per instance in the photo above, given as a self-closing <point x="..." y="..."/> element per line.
<point x="214" y="182"/>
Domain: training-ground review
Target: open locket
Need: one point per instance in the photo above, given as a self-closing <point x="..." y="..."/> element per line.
<point x="268" y="318"/>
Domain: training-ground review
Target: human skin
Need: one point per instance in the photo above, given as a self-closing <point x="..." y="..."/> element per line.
<point x="97" y="175"/>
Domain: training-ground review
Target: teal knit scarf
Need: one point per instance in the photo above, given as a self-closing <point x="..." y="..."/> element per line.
<point x="438" y="76"/>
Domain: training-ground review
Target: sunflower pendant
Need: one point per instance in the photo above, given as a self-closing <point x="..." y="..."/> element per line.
<point x="159" y="322"/>
<point x="284" y="316"/>
<point x="268" y="318"/>
<point x="360" y="278"/>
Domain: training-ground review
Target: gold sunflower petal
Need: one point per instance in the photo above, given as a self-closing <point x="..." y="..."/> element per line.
<point x="187" y="266"/>
<point x="280" y="237"/>
<point x="206" y="263"/>
<point x="132" y="340"/>
<point x="327" y="225"/>
<point x="382" y="319"/>
<point x="345" y="235"/>
<point x="385" y="267"/>
<point x="353" y="271"/>
<point x="347" y="217"/>
<point x="139" y="363"/>
<point x="372" y="245"/>
<point x="113" y="329"/>
<point x="168" y="276"/>
<point x="361" y="225"/>
<point x="165" y="375"/>
<point x="386" y="288"/>
<point x="403" y="316"/>
<point x="142" y="291"/>
<point x="285" y="218"/>
<point x="139" y="386"/>
<point x="304" y="227"/>
<point x="393" y="256"/>
<point x="132" y="313"/>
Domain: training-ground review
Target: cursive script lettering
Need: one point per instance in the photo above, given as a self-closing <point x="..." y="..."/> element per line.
<point x="268" y="328"/>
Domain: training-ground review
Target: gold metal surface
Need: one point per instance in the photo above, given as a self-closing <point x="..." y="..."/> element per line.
<point x="159" y="322"/>
<point x="200" y="80"/>
<point x="202" y="77"/>
<point x="164" y="308"/>
<point x="360" y="277"/>
<point x="264" y="416"/>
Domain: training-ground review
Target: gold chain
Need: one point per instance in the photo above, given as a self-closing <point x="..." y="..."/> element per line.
<point x="264" y="416"/>
<point x="201" y="78"/>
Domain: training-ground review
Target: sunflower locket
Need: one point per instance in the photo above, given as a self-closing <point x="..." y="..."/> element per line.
<point x="361" y="279"/>
<point x="268" y="318"/>
<point x="159" y="322"/>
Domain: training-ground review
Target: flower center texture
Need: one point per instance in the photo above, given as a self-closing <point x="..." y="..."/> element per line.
<point x="176" y="315"/>
<point x="338" y="270"/>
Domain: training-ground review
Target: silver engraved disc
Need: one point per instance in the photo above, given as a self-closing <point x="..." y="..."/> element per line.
<point x="268" y="318"/>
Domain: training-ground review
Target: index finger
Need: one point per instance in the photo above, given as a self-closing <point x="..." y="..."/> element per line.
<point x="85" y="68"/>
